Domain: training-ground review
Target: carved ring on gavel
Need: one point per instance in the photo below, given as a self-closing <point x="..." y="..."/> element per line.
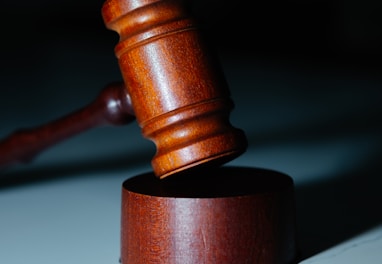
<point x="179" y="97"/>
<point x="178" y="93"/>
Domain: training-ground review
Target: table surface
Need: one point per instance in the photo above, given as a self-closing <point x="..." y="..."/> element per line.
<point x="317" y="120"/>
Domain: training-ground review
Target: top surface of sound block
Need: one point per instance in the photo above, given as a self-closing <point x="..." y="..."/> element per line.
<point x="218" y="182"/>
<point x="226" y="215"/>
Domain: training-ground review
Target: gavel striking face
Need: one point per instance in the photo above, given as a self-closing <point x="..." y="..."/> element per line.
<point x="179" y="95"/>
<point x="174" y="88"/>
<point x="181" y="101"/>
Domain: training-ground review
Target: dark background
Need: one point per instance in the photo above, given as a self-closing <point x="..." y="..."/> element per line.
<point x="303" y="74"/>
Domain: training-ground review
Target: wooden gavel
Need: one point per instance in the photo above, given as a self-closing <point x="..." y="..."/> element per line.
<point x="172" y="86"/>
<point x="177" y="93"/>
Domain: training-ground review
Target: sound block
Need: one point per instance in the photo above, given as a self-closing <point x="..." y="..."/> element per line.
<point x="231" y="215"/>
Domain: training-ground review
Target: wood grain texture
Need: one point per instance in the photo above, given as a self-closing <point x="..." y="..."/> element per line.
<point x="227" y="215"/>
<point x="178" y="91"/>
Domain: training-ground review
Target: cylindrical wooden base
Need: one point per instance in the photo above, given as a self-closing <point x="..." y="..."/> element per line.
<point x="227" y="215"/>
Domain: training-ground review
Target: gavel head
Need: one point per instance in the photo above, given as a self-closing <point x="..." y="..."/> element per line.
<point x="179" y="95"/>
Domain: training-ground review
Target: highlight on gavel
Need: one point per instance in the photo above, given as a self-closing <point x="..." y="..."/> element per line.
<point x="178" y="94"/>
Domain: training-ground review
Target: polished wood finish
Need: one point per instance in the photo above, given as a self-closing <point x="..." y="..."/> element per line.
<point x="111" y="107"/>
<point x="228" y="215"/>
<point x="178" y="91"/>
<point x="178" y="94"/>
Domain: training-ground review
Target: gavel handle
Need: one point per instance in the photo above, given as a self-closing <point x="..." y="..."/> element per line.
<point x="111" y="107"/>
